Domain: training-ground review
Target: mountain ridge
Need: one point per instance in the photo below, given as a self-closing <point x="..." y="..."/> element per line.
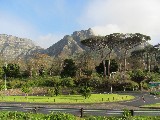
<point x="12" y="47"/>
<point x="70" y="44"/>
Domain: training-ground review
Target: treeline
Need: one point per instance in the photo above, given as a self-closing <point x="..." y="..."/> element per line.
<point x="112" y="60"/>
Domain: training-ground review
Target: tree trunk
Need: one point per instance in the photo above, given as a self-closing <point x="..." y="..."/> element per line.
<point x="148" y="63"/>
<point x="104" y="65"/>
<point x="140" y="86"/>
<point x="125" y="60"/>
<point x="109" y="64"/>
<point x="155" y="59"/>
<point x="120" y="67"/>
<point x="30" y="72"/>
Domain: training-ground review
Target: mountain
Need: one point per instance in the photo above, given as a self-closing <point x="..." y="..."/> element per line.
<point x="70" y="44"/>
<point x="12" y="47"/>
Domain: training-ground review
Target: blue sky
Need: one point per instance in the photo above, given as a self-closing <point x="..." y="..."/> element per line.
<point x="47" y="21"/>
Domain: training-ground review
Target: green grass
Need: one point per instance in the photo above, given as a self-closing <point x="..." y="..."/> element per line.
<point x="157" y="105"/>
<point x="95" y="98"/>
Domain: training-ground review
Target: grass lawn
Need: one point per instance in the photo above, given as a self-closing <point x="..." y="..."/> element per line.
<point x="95" y="98"/>
<point x="157" y="105"/>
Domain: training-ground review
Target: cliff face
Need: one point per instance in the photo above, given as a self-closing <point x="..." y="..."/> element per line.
<point x="12" y="47"/>
<point x="70" y="44"/>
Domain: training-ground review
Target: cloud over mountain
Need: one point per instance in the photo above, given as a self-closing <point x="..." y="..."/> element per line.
<point x="128" y="16"/>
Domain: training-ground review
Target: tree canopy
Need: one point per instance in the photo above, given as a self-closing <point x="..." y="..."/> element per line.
<point x="69" y="68"/>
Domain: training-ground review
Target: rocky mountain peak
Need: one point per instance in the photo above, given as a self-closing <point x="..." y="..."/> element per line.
<point x="70" y="44"/>
<point x="12" y="47"/>
<point x="86" y="33"/>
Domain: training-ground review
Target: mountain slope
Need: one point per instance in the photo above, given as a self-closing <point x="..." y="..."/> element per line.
<point x="12" y="47"/>
<point x="70" y="44"/>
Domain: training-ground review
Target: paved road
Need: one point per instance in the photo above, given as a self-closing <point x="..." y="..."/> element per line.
<point x="139" y="101"/>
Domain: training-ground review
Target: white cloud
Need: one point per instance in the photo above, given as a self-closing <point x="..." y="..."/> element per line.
<point x="47" y="40"/>
<point x="107" y="29"/>
<point x="108" y="16"/>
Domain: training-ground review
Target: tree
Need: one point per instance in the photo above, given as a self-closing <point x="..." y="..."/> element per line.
<point x="57" y="87"/>
<point x="25" y="89"/>
<point x="129" y="41"/>
<point x="69" y="68"/>
<point x="85" y="64"/>
<point x="118" y="42"/>
<point x="38" y="64"/>
<point x="95" y="43"/>
<point x="137" y="59"/>
<point x="112" y="43"/>
<point x="85" y="91"/>
<point x="151" y="56"/>
<point x="148" y="55"/>
<point x="67" y="82"/>
<point x="56" y="67"/>
<point x="138" y="76"/>
<point x="113" y="67"/>
<point x="12" y="70"/>
<point x="57" y="90"/>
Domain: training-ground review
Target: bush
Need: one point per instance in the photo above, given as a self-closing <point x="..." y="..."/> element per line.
<point x="155" y="93"/>
<point x="85" y="91"/>
<point x="74" y="92"/>
<point x="60" y="116"/>
<point x="50" y="92"/>
<point x="64" y="116"/>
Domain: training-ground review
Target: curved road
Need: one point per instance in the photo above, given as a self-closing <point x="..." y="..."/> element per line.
<point x="139" y="101"/>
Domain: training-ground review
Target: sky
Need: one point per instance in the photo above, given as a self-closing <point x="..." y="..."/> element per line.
<point x="47" y="21"/>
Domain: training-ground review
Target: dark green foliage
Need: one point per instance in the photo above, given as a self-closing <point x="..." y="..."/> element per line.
<point x="127" y="114"/>
<point x="69" y="68"/>
<point x="59" y="116"/>
<point x="128" y="85"/>
<point x="156" y="69"/>
<point x="31" y="116"/>
<point x="7" y="115"/>
<point x="85" y="91"/>
<point x="95" y="82"/>
<point x="16" y="83"/>
<point x="113" y="67"/>
<point x="87" y="72"/>
<point x="1" y="72"/>
<point x="67" y="82"/>
<point x="57" y="89"/>
<point x="83" y="81"/>
<point x="122" y="118"/>
<point x="41" y="71"/>
<point x="12" y="70"/>
<point x="155" y="93"/>
<point x="138" y="76"/>
<point x="26" y="89"/>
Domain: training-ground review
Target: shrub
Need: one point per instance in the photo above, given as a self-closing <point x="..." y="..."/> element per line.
<point x="60" y="116"/>
<point x="155" y="93"/>
<point x="85" y="91"/>
<point x="50" y="92"/>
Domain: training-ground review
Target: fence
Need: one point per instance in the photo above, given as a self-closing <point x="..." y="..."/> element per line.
<point x="81" y="112"/>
